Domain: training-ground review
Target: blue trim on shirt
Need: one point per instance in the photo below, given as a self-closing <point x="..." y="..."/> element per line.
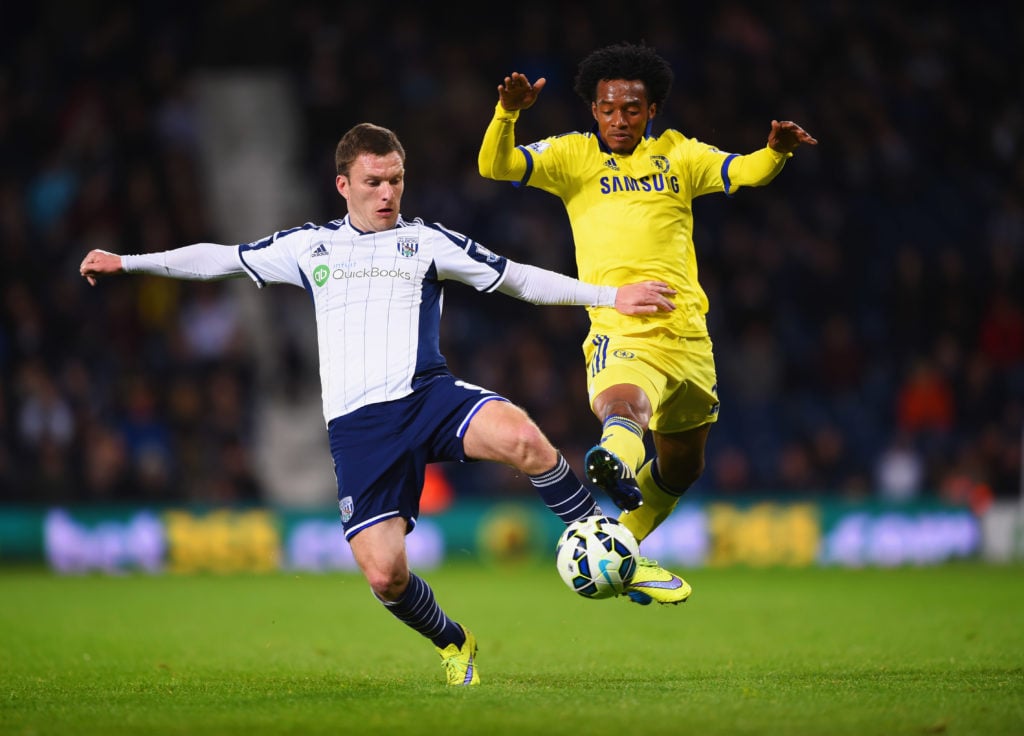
<point x="266" y="243"/>
<point x="529" y="167"/>
<point x="241" y="257"/>
<point x="474" y="250"/>
<point x="601" y="145"/>
<point x="428" y="350"/>
<point x="458" y="238"/>
<point x="307" y="286"/>
<point x="725" y="173"/>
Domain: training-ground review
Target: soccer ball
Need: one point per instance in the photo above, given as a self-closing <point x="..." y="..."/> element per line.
<point x="596" y="556"/>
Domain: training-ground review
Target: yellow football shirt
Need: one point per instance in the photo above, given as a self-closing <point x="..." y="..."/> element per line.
<point x="631" y="215"/>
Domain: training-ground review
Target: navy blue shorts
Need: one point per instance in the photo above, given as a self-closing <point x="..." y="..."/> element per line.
<point x="381" y="450"/>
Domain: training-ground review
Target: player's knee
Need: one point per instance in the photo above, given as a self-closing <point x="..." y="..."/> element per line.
<point x="625" y="401"/>
<point x="531" y="451"/>
<point x="628" y="410"/>
<point x="388" y="583"/>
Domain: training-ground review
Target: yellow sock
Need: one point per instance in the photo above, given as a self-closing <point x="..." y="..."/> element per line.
<point x="625" y="438"/>
<point x="656" y="507"/>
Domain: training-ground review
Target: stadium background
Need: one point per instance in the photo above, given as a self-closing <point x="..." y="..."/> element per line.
<point x="867" y="307"/>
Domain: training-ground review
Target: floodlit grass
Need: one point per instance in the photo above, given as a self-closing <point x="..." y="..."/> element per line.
<point x="815" y="651"/>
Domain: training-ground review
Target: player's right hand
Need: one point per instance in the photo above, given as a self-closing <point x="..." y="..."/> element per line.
<point x="644" y="297"/>
<point x="516" y="93"/>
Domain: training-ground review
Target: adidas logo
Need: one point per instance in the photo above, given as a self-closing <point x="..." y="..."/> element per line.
<point x="610" y="163"/>
<point x="319" y="251"/>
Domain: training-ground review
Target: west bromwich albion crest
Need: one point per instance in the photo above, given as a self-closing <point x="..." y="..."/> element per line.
<point x="347" y="508"/>
<point x="408" y="245"/>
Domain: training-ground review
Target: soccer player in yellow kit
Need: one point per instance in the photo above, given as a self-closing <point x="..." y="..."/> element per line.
<point x="628" y="194"/>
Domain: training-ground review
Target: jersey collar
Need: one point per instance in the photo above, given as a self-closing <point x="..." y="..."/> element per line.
<point x="402" y="222"/>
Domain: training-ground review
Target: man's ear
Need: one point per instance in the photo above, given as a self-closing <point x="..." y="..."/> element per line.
<point x="341" y="184"/>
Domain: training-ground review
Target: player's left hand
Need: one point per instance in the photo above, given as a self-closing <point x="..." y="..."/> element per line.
<point x="99" y="263"/>
<point x="786" y="136"/>
<point x="644" y="297"/>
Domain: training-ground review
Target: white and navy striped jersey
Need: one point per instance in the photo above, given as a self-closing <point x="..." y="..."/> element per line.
<point x="378" y="299"/>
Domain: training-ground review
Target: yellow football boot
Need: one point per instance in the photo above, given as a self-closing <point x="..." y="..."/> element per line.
<point x="652" y="582"/>
<point x="460" y="662"/>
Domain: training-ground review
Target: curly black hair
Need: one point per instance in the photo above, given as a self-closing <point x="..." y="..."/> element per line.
<point x="625" y="61"/>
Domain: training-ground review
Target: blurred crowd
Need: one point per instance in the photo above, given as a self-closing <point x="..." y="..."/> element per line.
<point x="867" y="307"/>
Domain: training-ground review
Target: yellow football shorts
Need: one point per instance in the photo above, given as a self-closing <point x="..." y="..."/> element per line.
<point x="677" y="374"/>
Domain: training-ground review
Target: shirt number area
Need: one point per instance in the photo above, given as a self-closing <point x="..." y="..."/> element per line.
<point x="472" y="387"/>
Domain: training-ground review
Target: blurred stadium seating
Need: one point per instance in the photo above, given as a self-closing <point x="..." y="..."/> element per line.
<point x="867" y="307"/>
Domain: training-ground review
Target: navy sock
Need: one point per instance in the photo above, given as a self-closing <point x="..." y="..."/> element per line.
<point x="418" y="609"/>
<point x="564" y="494"/>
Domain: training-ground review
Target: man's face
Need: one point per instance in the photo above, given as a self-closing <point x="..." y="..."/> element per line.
<point x="622" y="112"/>
<point x="373" y="189"/>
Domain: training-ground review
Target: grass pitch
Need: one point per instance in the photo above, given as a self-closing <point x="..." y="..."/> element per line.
<point x="777" y="651"/>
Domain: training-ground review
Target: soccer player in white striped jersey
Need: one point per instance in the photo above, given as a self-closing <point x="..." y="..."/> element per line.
<point x="390" y="403"/>
<point x="629" y="194"/>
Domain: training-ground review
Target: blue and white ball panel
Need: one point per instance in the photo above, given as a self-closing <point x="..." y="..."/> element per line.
<point x="381" y="450"/>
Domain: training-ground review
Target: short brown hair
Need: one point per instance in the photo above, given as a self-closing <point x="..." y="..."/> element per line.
<point x="365" y="138"/>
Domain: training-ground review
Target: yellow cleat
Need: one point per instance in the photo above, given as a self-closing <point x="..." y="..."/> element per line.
<point x="460" y="663"/>
<point x="652" y="582"/>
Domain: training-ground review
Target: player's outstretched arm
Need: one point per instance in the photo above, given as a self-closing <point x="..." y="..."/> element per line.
<point x="644" y="297"/>
<point x="541" y="286"/>
<point x="762" y="166"/>
<point x="498" y="158"/>
<point x="99" y="263"/>
<point x="786" y="136"/>
<point x="197" y="262"/>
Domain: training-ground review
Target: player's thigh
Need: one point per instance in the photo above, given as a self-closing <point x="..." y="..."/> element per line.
<point x="379" y="549"/>
<point x="502" y="432"/>
<point x="614" y="361"/>
<point x="690" y="399"/>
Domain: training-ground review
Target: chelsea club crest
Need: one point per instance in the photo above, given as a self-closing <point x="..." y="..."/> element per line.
<point x="660" y="163"/>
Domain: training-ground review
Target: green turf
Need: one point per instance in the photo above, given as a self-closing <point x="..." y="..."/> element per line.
<point x="829" y="652"/>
